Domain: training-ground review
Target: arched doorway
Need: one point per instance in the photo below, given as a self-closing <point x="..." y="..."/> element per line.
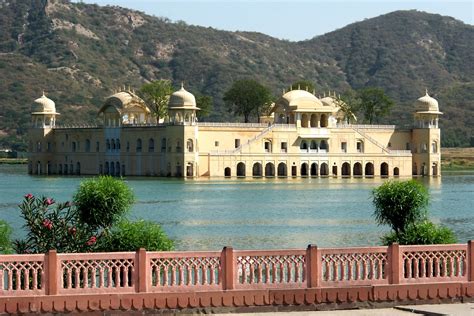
<point x="106" y="171"/>
<point x="346" y="170"/>
<point x="357" y="170"/>
<point x="294" y="170"/>
<point x="314" y="169"/>
<point x="384" y="169"/>
<point x="78" y="168"/>
<point x="112" y="169"/>
<point x="123" y="170"/>
<point x="117" y="169"/>
<point x="314" y="120"/>
<point x="369" y="169"/>
<point x="240" y="169"/>
<point x="324" y="170"/>
<point x="415" y="170"/>
<point x="269" y="170"/>
<point x="227" y="172"/>
<point x="189" y="170"/>
<point x="323" y="146"/>
<point x="304" y="145"/>
<point x="435" y="169"/>
<point x="334" y="171"/>
<point x="304" y="170"/>
<point x="257" y="169"/>
<point x="282" y="169"/>
<point x="396" y="172"/>
<point x="324" y="120"/>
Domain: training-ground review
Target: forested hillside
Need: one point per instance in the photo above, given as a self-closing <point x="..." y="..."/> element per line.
<point x="79" y="53"/>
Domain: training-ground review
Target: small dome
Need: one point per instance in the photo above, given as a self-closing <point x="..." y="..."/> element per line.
<point x="44" y="105"/>
<point x="328" y="101"/>
<point x="427" y="104"/>
<point x="123" y="100"/>
<point x="182" y="99"/>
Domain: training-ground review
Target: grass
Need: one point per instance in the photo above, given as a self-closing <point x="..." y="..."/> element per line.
<point x="13" y="161"/>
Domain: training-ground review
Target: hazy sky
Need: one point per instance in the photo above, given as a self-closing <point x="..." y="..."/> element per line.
<point x="293" y="20"/>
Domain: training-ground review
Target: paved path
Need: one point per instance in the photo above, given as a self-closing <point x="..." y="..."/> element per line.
<point x="466" y="309"/>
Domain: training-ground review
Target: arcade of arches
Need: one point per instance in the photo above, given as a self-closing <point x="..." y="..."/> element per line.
<point x="313" y="169"/>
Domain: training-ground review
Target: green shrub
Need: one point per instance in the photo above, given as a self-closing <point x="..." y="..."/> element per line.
<point x="5" y="235"/>
<point x="400" y="203"/>
<point x="423" y="233"/>
<point x="132" y="235"/>
<point x="103" y="201"/>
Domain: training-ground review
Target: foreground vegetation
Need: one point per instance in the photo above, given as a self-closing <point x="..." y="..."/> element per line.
<point x="95" y="221"/>
<point x="402" y="205"/>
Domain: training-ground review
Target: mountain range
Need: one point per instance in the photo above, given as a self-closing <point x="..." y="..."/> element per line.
<point x="80" y="53"/>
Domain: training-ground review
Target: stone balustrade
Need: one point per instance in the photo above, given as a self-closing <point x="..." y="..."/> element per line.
<point x="57" y="282"/>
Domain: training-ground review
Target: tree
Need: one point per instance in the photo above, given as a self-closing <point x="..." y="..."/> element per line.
<point x="402" y="206"/>
<point x="204" y="103"/>
<point x="5" y="235"/>
<point x="156" y="94"/>
<point x="374" y="104"/>
<point x="247" y="97"/>
<point x="303" y="85"/>
<point x="347" y="104"/>
<point x="103" y="201"/>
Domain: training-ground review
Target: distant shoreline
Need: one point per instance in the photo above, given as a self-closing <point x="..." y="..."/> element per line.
<point x="13" y="161"/>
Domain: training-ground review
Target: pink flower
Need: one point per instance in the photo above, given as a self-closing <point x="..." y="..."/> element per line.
<point x="48" y="224"/>
<point x="91" y="241"/>
<point x="28" y="196"/>
<point x="49" y="201"/>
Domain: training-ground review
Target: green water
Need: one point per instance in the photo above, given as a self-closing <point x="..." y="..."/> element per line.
<point x="255" y="213"/>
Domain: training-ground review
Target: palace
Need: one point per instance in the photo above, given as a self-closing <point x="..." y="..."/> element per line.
<point x="305" y="137"/>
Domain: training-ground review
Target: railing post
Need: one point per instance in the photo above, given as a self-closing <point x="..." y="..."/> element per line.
<point x="470" y="260"/>
<point x="142" y="273"/>
<point x="52" y="272"/>
<point x="313" y="266"/>
<point x="394" y="262"/>
<point x="228" y="268"/>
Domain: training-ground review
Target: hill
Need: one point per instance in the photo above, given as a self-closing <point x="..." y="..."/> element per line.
<point x="80" y="52"/>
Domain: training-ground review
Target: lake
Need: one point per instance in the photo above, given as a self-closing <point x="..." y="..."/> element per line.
<point x="255" y="213"/>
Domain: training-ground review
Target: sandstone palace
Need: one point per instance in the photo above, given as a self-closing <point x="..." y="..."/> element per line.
<point x="304" y="137"/>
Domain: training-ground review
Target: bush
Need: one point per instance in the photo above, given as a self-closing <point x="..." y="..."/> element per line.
<point x="52" y="225"/>
<point x="423" y="233"/>
<point x="400" y="203"/>
<point x="103" y="201"/>
<point x="5" y="235"/>
<point x="131" y="236"/>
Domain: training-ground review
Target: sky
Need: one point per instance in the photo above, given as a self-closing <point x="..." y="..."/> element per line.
<point x="292" y="20"/>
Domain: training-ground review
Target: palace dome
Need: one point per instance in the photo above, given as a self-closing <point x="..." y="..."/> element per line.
<point x="124" y="100"/>
<point x="44" y="105"/>
<point x="301" y="99"/>
<point x="427" y="104"/>
<point x="328" y="101"/>
<point x="182" y="99"/>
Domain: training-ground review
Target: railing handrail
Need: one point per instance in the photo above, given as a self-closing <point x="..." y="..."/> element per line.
<point x="141" y="271"/>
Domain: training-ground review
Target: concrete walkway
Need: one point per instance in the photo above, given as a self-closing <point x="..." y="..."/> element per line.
<point x="465" y="309"/>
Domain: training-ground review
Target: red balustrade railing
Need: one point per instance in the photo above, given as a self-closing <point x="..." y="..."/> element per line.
<point x="162" y="272"/>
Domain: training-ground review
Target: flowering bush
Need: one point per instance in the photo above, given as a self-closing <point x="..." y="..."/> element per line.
<point x="53" y="225"/>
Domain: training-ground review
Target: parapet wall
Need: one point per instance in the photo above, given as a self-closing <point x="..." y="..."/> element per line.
<point x="312" y="278"/>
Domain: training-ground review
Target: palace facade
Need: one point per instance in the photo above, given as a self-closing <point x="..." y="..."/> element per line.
<point x="306" y="136"/>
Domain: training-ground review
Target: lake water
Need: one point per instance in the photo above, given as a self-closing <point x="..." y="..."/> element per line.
<point x="255" y="213"/>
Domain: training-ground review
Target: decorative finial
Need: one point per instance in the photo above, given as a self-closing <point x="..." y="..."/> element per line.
<point x="426" y="91"/>
<point x="44" y="95"/>
<point x="314" y="91"/>
<point x="299" y="87"/>
<point x="324" y="94"/>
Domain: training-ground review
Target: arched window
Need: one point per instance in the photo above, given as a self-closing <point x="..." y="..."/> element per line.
<point x="107" y="142"/>
<point x="190" y="145"/>
<point x="257" y="169"/>
<point x="74" y="147"/>
<point x="357" y="169"/>
<point x="282" y="169"/>
<point x="303" y="145"/>
<point x="240" y="169"/>
<point x="178" y="146"/>
<point x="314" y="120"/>
<point x="151" y="145"/>
<point x="369" y="169"/>
<point x="346" y="169"/>
<point x="163" y="145"/>
<point x="324" y="170"/>
<point x="227" y="172"/>
<point x="117" y="144"/>
<point x="112" y="144"/>
<point x="314" y="145"/>
<point x="269" y="170"/>
<point x="78" y="168"/>
<point x="112" y="169"/>
<point x="396" y="172"/>
<point x="324" y="146"/>
<point x="139" y="145"/>
<point x="314" y="169"/>
<point x="304" y="170"/>
<point x="434" y="147"/>
<point x="106" y="171"/>
<point x="117" y="169"/>
<point x="97" y="146"/>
